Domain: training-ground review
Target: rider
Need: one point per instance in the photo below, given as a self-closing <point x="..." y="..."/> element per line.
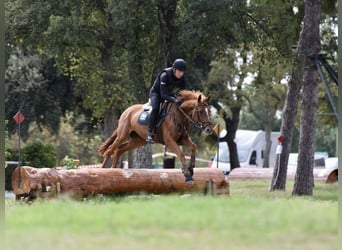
<point x="167" y="82"/>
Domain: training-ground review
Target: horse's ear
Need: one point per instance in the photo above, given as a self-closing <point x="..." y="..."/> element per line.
<point x="208" y="98"/>
<point x="199" y="98"/>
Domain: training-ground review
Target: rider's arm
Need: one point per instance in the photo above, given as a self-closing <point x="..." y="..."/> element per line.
<point x="164" y="91"/>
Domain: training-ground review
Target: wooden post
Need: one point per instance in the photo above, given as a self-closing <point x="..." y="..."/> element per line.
<point x="47" y="182"/>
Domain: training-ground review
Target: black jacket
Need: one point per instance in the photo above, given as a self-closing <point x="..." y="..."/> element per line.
<point x="166" y="85"/>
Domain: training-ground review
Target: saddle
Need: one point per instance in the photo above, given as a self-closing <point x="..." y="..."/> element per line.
<point x="144" y="116"/>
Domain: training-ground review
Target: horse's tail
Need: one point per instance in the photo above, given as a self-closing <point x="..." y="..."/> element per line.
<point x="104" y="146"/>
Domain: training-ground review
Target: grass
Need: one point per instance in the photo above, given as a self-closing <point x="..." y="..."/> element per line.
<point x="251" y="218"/>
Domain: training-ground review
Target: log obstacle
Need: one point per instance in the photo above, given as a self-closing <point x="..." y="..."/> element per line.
<point x="49" y="182"/>
<point x="327" y="175"/>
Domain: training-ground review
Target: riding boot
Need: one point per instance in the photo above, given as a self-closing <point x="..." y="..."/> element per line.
<point x="150" y="136"/>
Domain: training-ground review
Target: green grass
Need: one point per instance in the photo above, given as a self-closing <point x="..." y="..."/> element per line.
<point x="251" y="218"/>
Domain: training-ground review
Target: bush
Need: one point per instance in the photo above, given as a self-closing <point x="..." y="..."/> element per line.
<point x="38" y="155"/>
<point x="34" y="154"/>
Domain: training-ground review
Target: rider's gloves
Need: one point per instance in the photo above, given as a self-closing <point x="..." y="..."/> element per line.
<point x="178" y="102"/>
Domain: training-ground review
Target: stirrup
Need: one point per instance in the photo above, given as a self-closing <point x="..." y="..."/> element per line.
<point x="150" y="139"/>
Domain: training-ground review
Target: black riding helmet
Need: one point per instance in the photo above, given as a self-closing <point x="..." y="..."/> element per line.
<point x="179" y="64"/>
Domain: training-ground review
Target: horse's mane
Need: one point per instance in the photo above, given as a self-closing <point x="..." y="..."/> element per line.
<point x="190" y="95"/>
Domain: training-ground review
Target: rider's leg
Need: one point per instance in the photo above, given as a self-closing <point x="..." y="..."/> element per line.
<point x="153" y="118"/>
<point x="155" y="102"/>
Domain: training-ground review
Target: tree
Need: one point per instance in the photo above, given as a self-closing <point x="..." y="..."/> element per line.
<point x="288" y="124"/>
<point x="34" y="87"/>
<point x="307" y="50"/>
<point x="82" y="39"/>
<point x="264" y="108"/>
<point x="227" y="98"/>
<point x="261" y="47"/>
<point x="309" y="41"/>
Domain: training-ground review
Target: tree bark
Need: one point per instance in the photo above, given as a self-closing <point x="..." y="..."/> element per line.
<point x="310" y="42"/>
<point x="166" y="11"/>
<point x="288" y="125"/>
<point x="49" y="183"/>
<point x="232" y="124"/>
<point x="142" y="157"/>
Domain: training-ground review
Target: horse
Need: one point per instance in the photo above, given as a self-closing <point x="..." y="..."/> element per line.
<point x="172" y="132"/>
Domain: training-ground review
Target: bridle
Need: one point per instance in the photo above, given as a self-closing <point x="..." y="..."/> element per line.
<point x="199" y="123"/>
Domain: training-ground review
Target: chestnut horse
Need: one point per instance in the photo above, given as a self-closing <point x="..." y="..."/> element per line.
<point x="172" y="132"/>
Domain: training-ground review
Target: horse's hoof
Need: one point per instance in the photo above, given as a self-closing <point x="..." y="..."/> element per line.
<point x="189" y="180"/>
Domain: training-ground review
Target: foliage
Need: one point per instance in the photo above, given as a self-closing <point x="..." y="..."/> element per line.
<point x="29" y="76"/>
<point x="81" y="41"/>
<point x="249" y="121"/>
<point x="276" y="26"/>
<point x="70" y="163"/>
<point x="39" y="155"/>
<point x="326" y="139"/>
<point x="266" y="95"/>
<point x="68" y="140"/>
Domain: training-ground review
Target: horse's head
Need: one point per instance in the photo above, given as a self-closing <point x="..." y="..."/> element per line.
<point x="199" y="108"/>
<point x="201" y="114"/>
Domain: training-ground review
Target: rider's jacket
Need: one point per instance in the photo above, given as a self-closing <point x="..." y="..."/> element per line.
<point x="166" y="85"/>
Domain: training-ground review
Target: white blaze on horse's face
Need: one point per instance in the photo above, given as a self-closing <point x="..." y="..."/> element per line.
<point x="202" y="117"/>
<point x="208" y="129"/>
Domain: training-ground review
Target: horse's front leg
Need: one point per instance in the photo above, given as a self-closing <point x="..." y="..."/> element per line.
<point x="172" y="145"/>
<point x="187" y="142"/>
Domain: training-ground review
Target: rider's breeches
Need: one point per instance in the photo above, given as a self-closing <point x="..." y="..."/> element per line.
<point x="155" y="103"/>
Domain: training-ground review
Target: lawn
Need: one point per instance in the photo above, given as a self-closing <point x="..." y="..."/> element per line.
<point x="250" y="218"/>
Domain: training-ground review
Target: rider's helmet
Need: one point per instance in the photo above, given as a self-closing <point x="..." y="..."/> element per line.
<point x="179" y="64"/>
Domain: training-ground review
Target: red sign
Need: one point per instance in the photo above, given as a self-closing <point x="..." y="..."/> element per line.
<point x="281" y="139"/>
<point x="19" y="117"/>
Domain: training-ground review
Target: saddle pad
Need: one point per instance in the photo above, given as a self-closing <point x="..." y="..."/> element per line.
<point x="144" y="117"/>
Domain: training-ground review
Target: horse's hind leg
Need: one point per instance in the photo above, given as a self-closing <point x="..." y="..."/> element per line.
<point x="132" y="143"/>
<point x="105" y="160"/>
<point x="112" y="149"/>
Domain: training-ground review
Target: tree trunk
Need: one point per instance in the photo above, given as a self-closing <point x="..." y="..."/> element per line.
<point x="166" y="11"/>
<point x="110" y="122"/>
<point x="142" y="157"/>
<point x="310" y="42"/>
<point x="110" y="115"/>
<point x="49" y="183"/>
<point x="232" y="124"/>
<point x="288" y="124"/>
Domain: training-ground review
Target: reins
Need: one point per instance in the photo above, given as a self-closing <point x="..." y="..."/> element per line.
<point x="196" y="125"/>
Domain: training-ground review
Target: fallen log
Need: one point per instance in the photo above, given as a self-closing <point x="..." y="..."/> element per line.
<point x="320" y="174"/>
<point x="48" y="182"/>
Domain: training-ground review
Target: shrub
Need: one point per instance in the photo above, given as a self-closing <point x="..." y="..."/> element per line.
<point x="36" y="154"/>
